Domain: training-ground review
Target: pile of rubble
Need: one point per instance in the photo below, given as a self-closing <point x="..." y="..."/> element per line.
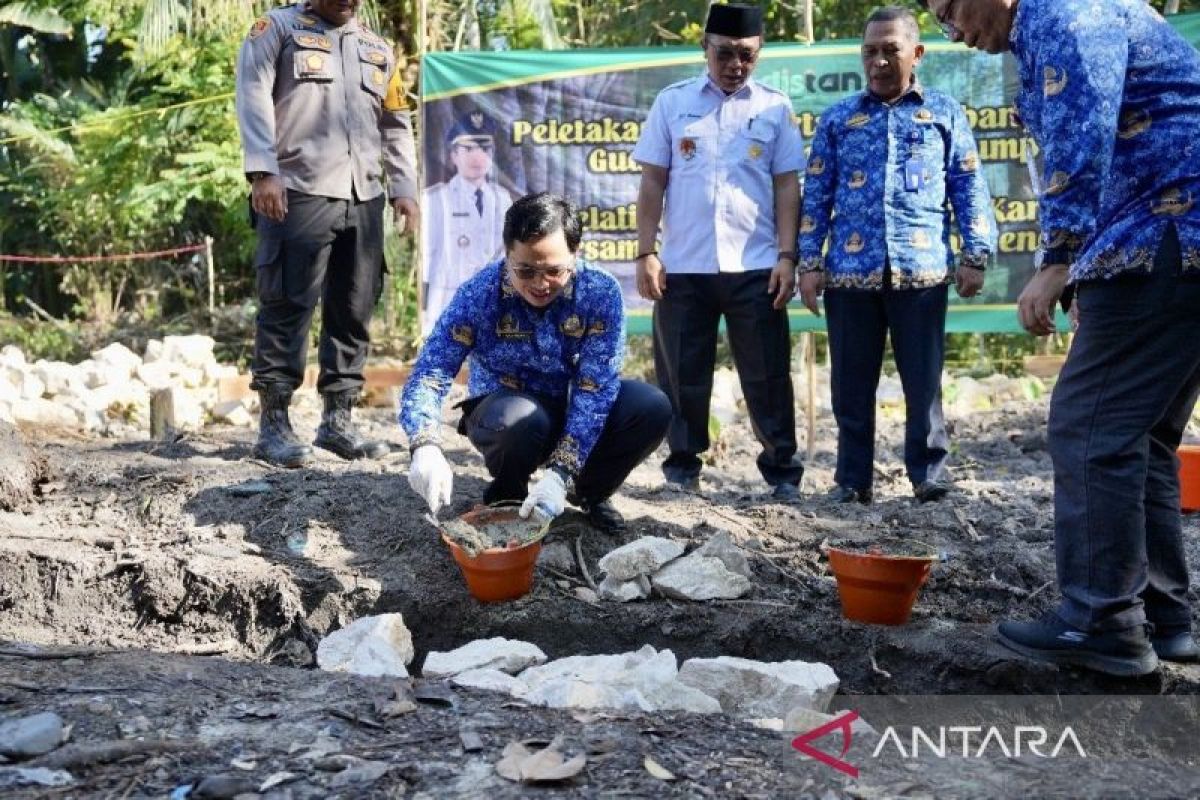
<point x="647" y="680"/>
<point x="114" y="391"/>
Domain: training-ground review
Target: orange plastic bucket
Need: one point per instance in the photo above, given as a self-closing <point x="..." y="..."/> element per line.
<point x="499" y="573"/>
<point x="1189" y="477"/>
<point x="878" y="588"/>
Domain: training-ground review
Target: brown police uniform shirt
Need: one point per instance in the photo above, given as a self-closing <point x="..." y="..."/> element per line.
<point x="324" y="108"/>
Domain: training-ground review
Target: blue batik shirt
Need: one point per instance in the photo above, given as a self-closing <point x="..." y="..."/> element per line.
<point x="882" y="179"/>
<point x="1112" y="95"/>
<point x="572" y="348"/>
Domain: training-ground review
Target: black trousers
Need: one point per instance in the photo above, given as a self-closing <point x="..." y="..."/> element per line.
<point x="517" y="431"/>
<point x="859" y="322"/>
<point x="686" y="324"/>
<point x="328" y="251"/>
<point x="1116" y="417"/>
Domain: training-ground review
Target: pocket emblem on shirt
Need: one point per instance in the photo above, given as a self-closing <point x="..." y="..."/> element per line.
<point x="1058" y="183"/>
<point x="923" y="115"/>
<point x="687" y="148"/>
<point x="1134" y="124"/>
<point x="859" y="120"/>
<point x="377" y="57"/>
<point x="816" y="166"/>
<point x="857" y="180"/>
<point x="320" y="42"/>
<point x="854" y="244"/>
<point x="572" y="326"/>
<point x="1054" y="80"/>
<point x="755" y="151"/>
<point x="314" y="62"/>
<point x="1173" y="203"/>
<point x="259" y="27"/>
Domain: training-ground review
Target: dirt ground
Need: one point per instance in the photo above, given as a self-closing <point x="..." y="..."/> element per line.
<point x="230" y="572"/>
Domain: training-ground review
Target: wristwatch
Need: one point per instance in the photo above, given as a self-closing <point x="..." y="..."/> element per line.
<point x="253" y="176"/>
<point x="977" y="261"/>
<point x="790" y="255"/>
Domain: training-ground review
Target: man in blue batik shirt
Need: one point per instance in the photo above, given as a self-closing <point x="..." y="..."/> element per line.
<point x="887" y="166"/>
<point x="544" y="335"/>
<point x="1112" y="95"/>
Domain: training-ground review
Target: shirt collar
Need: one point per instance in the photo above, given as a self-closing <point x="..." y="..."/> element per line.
<point x="351" y="26"/>
<point x="915" y="90"/>
<point x="706" y="83"/>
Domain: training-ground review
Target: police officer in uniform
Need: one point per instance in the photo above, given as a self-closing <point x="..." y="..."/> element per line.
<point x="322" y="117"/>
<point x="722" y="153"/>
<point x="544" y="333"/>
<point x="464" y="217"/>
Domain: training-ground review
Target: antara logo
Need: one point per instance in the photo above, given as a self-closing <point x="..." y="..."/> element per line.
<point x="969" y="741"/>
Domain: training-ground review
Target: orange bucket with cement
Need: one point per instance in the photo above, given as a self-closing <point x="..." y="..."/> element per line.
<point x="498" y="573"/>
<point x="1189" y="477"/>
<point x="877" y="588"/>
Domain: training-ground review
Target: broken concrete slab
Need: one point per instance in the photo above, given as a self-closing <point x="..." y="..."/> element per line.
<point x="646" y="680"/>
<point x="698" y="577"/>
<point x="374" y="646"/>
<point x="507" y="655"/>
<point x="640" y="557"/>
<point x="761" y="689"/>
<point x="117" y="360"/>
<point x="623" y="591"/>
<point x="173" y="410"/>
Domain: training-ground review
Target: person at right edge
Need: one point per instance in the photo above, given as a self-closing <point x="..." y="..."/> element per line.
<point x="887" y="166"/>
<point x="1111" y="93"/>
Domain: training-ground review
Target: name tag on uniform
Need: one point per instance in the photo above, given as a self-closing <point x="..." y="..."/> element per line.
<point x="914" y="175"/>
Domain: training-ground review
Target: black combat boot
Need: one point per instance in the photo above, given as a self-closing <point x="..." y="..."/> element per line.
<point x="337" y="433"/>
<point x="277" y="442"/>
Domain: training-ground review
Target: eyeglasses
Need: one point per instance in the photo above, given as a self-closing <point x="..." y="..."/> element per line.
<point x="949" y="29"/>
<point x="744" y="55"/>
<point x="526" y="273"/>
<point x="486" y="147"/>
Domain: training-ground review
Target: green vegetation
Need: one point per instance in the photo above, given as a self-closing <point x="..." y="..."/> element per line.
<point x="117" y="135"/>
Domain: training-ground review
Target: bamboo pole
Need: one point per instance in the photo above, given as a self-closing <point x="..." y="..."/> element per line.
<point x="210" y="274"/>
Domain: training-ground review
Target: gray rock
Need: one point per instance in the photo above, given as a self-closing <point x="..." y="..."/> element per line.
<point x="721" y="546"/>
<point x="557" y="555"/>
<point x="698" y="577"/>
<point x="506" y="655"/>
<point x="223" y="787"/>
<point x="624" y="591"/>
<point x="640" y="557"/>
<point x="761" y="689"/>
<point x="31" y="736"/>
<point x="16" y="777"/>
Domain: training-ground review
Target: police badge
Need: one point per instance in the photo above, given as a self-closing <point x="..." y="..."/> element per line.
<point x="687" y="148"/>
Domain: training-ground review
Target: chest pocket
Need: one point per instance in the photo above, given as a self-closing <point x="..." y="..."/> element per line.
<point x="311" y="56"/>
<point x="756" y="145"/>
<point x="375" y="66"/>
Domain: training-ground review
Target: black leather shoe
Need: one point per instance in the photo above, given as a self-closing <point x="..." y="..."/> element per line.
<point x="683" y="483"/>
<point x="277" y="443"/>
<point x="337" y="433"/>
<point x="1179" y="646"/>
<point x="1124" y="653"/>
<point x="785" y="493"/>
<point x="931" y="491"/>
<point x="604" y="517"/>
<point x="847" y="494"/>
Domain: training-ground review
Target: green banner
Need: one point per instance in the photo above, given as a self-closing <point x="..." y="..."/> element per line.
<point x="566" y="121"/>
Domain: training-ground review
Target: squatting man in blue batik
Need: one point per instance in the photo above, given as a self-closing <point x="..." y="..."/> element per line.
<point x="1111" y="93"/>
<point x="544" y="335"/>
<point x="886" y="168"/>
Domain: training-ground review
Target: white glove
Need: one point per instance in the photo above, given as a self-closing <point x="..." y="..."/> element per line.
<point x="430" y="476"/>
<point x="548" y="496"/>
